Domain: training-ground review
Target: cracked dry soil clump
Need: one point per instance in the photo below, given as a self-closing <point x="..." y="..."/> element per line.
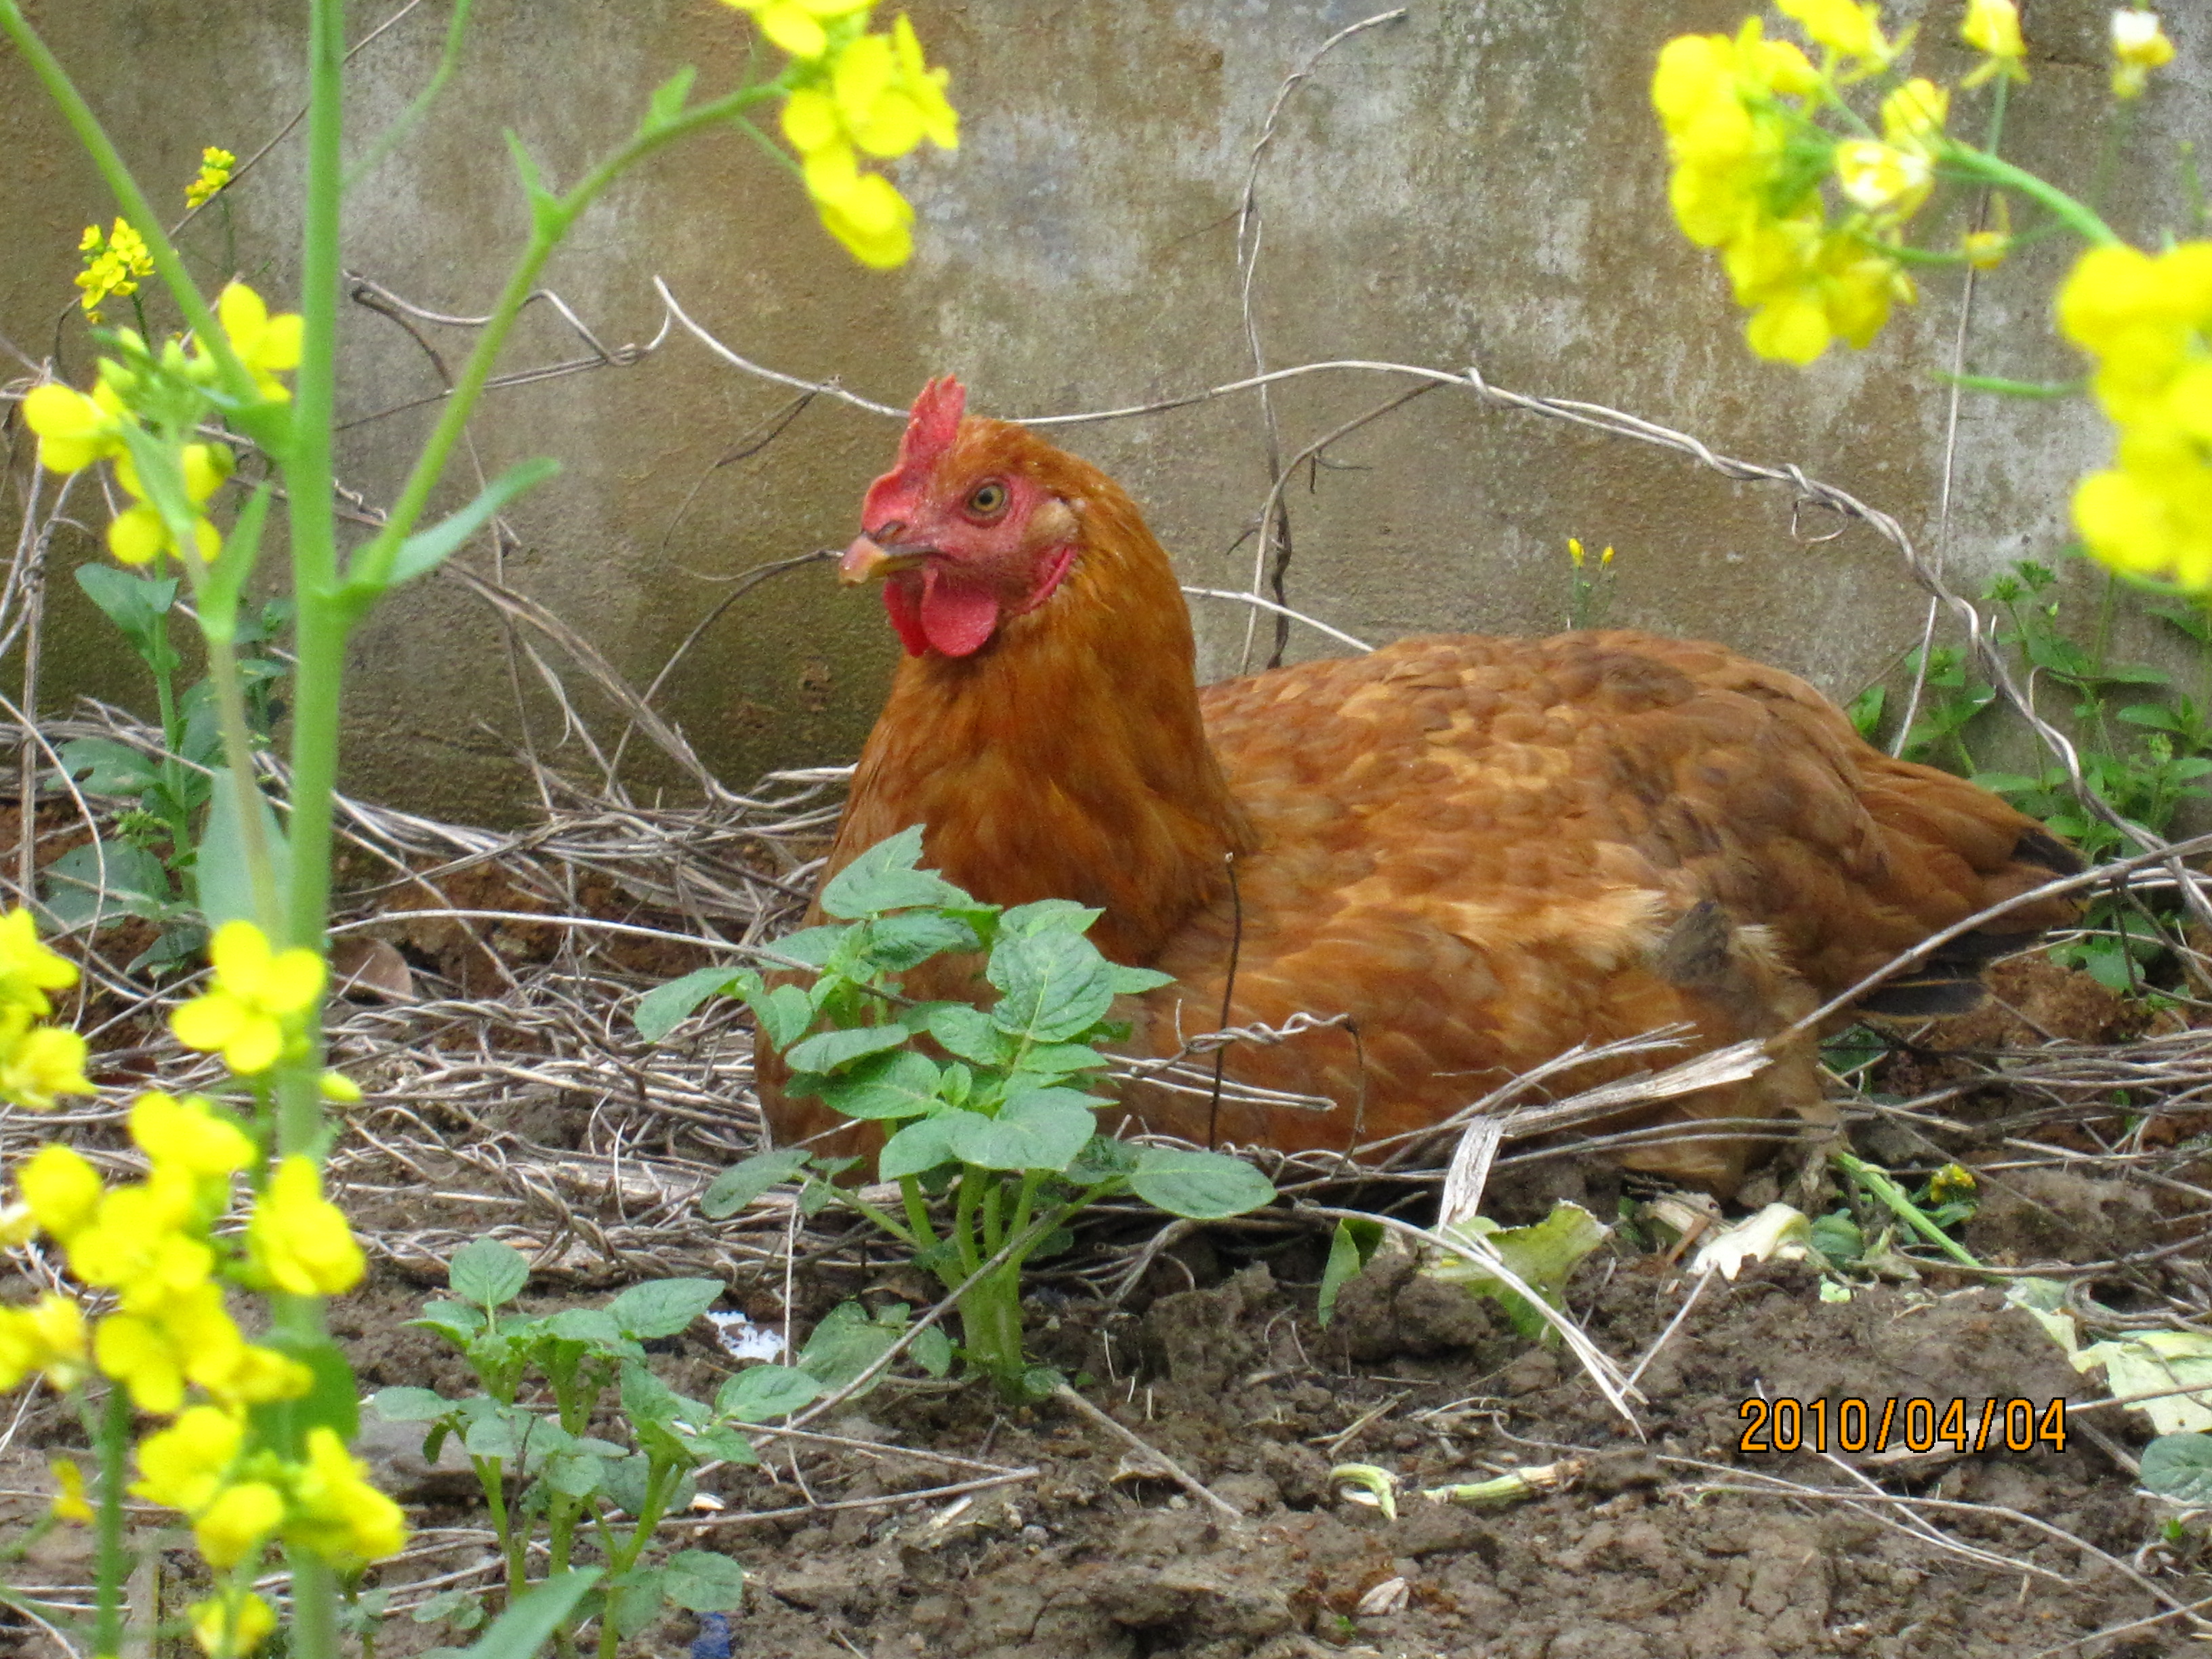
<point x="1649" y="1556"/>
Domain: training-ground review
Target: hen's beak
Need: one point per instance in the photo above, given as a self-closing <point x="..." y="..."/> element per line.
<point x="866" y="559"/>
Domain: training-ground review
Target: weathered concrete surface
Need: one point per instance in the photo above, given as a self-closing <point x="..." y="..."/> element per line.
<point x="1480" y="182"/>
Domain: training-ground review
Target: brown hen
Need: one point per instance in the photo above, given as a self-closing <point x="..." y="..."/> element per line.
<point x="1484" y="850"/>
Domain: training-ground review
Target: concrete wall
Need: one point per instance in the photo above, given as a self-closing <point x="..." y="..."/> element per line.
<point x="1482" y="182"/>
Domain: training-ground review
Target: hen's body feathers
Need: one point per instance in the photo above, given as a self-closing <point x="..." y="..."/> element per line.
<point x="1483" y="851"/>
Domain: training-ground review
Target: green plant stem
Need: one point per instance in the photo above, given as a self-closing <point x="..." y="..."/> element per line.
<point x="917" y="1213"/>
<point x="172" y="740"/>
<point x="1880" y="1185"/>
<point x="112" y="1562"/>
<point x="491" y="1476"/>
<point x="551" y="217"/>
<point x="657" y="1484"/>
<point x="315" y="1629"/>
<point x="1965" y="161"/>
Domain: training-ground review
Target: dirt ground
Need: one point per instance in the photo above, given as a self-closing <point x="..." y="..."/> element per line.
<point x="1671" y="1541"/>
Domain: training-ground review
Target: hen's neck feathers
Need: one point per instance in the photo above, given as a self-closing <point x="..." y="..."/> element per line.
<point x="1066" y="758"/>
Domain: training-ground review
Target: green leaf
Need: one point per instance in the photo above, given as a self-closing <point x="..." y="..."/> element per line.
<point x="812" y="946"/>
<point x="763" y="1393"/>
<point x="846" y="1343"/>
<point x="136" y="884"/>
<point x="488" y="1273"/>
<point x="634" y="1600"/>
<point x="741" y="1183"/>
<point x="782" y="1015"/>
<point x="409" y="1405"/>
<point x="1129" y="981"/>
<point x="663" y="1307"/>
<point x="575" y="1473"/>
<point x="932" y="1351"/>
<point x="968" y="1032"/>
<point x="1053" y="914"/>
<point x="830" y="1051"/>
<point x="665" y="1007"/>
<point x="915" y="1149"/>
<point x="2155" y="716"/>
<point x="224" y="884"/>
<point x="1203" y="1185"/>
<point x="527" y="1626"/>
<point x="1056" y="985"/>
<point x="1039" y="1131"/>
<point x="895" y="943"/>
<point x="720" y="1441"/>
<point x="1053" y="1060"/>
<point x="2179" y="1467"/>
<point x="902" y="1084"/>
<point x="426" y="550"/>
<point x="1544" y="1254"/>
<point x="666" y="106"/>
<point x="456" y="1320"/>
<point x="1351" y="1248"/>
<point x="332" y="1400"/>
<point x="1864" y="711"/>
<point x="134" y="604"/>
<point x="702" y="1582"/>
<point x="109" y="768"/>
<point x="594" y="1326"/>
<point x="885" y="878"/>
<point x="234" y="564"/>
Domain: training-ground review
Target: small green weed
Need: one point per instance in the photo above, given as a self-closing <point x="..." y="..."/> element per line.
<point x="2145" y="748"/>
<point x="994" y="1148"/>
<point x="553" y="1390"/>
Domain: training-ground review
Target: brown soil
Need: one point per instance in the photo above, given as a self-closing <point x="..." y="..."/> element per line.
<point x="1642" y="1558"/>
<point x="1664" y="1547"/>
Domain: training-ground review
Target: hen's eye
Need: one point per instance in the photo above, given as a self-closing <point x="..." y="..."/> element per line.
<point x="988" y="497"/>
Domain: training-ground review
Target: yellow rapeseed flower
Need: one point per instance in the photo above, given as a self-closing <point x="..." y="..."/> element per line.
<point x="113" y="264"/>
<point x="216" y="164"/>
<point x="2147" y="320"/>
<point x="2139" y="45"/>
<point x="74" y="429"/>
<point x="61" y="1189"/>
<point x="299" y="1237"/>
<point x="182" y="1467"/>
<point x="257" y="1002"/>
<point x="1992" y="29"/>
<point x="139" y="534"/>
<point x="1736" y="124"/>
<point x="238" y="1522"/>
<point x="266" y="345"/>
<point x="1848" y="28"/>
<point x="28" y="968"/>
<point x="41" y="1063"/>
<point x="45" y="1338"/>
<point x="1881" y="178"/>
<point x="69" y="1505"/>
<point x="233" y="1624"/>
<point x="190" y="1136"/>
<point x="797" y="25"/>
<point x="336" y="1512"/>
<point x="871" y="94"/>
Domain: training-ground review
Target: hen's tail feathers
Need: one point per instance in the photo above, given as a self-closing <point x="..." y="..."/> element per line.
<point x="1950" y="982"/>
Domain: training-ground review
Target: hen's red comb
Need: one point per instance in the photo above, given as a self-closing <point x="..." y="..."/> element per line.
<point x="934" y="423"/>
<point x="931" y="430"/>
